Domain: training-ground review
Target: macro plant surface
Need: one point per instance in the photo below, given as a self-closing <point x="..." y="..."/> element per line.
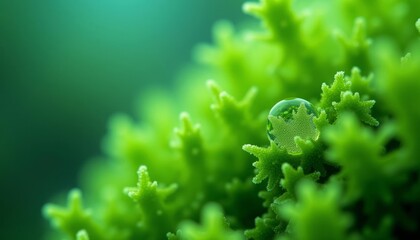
<point x="343" y="166"/>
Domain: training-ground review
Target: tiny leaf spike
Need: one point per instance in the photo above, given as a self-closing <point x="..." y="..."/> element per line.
<point x="74" y="219"/>
<point x="157" y="218"/>
<point x="214" y="226"/>
<point x="418" y="24"/>
<point x="190" y="140"/>
<point x="291" y="118"/>
<point x="82" y="235"/>
<point x="318" y="214"/>
<point x="292" y="176"/>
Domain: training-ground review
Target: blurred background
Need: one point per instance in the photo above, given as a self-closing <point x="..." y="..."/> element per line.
<point x="65" y="68"/>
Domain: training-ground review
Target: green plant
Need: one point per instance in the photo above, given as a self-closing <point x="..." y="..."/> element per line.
<point x="354" y="176"/>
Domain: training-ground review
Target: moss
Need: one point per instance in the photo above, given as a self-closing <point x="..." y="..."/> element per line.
<point x="355" y="176"/>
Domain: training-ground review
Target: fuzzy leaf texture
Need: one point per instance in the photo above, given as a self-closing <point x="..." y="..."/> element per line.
<point x="208" y="169"/>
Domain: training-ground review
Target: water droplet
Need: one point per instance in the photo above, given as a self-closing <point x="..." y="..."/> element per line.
<point x="290" y="124"/>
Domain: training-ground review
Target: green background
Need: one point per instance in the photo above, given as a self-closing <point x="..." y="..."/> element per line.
<point x="65" y="68"/>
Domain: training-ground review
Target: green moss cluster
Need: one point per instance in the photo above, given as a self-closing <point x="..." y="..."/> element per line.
<point x="356" y="61"/>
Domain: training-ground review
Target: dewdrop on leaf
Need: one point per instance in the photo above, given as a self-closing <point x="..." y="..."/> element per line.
<point x="291" y="118"/>
<point x="285" y="109"/>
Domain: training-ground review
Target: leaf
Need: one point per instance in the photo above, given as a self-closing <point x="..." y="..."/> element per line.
<point x="357" y="47"/>
<point x="277" y="16"/>
<point x="236" y="114"/>
<point x="74" y="218"/>
<point x="350" y="102"/>
<point x="361" y="84"/>
<point x="357" y="150"/>
<point x="317" y="213"/>
<point x="157" y="217"/>
<point x="341" y="97"/>
<point x="82" y="235"/>
<point x="269" y="163"/>
<point x="190" y="142"/>
<point x="401" y="87"/>
<point x="213" y="226"/>
<point x="418" y="24"/>
<point x="263" y="229"/>
<point x="300" y="125"/>
<point x="332" y="94"/>
<point x="293" y="176"/>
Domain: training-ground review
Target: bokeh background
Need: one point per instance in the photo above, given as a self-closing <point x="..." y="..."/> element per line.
<point x="66" y="66"/>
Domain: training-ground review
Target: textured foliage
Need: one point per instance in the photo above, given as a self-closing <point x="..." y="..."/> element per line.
<point x="317" y="215"/>
<point x="350" y="171"/>
<point x="300" y="125"/>
<point x="151" y="200"/>
<point x="213" y="226"/>
<point x="73" y="220"/>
